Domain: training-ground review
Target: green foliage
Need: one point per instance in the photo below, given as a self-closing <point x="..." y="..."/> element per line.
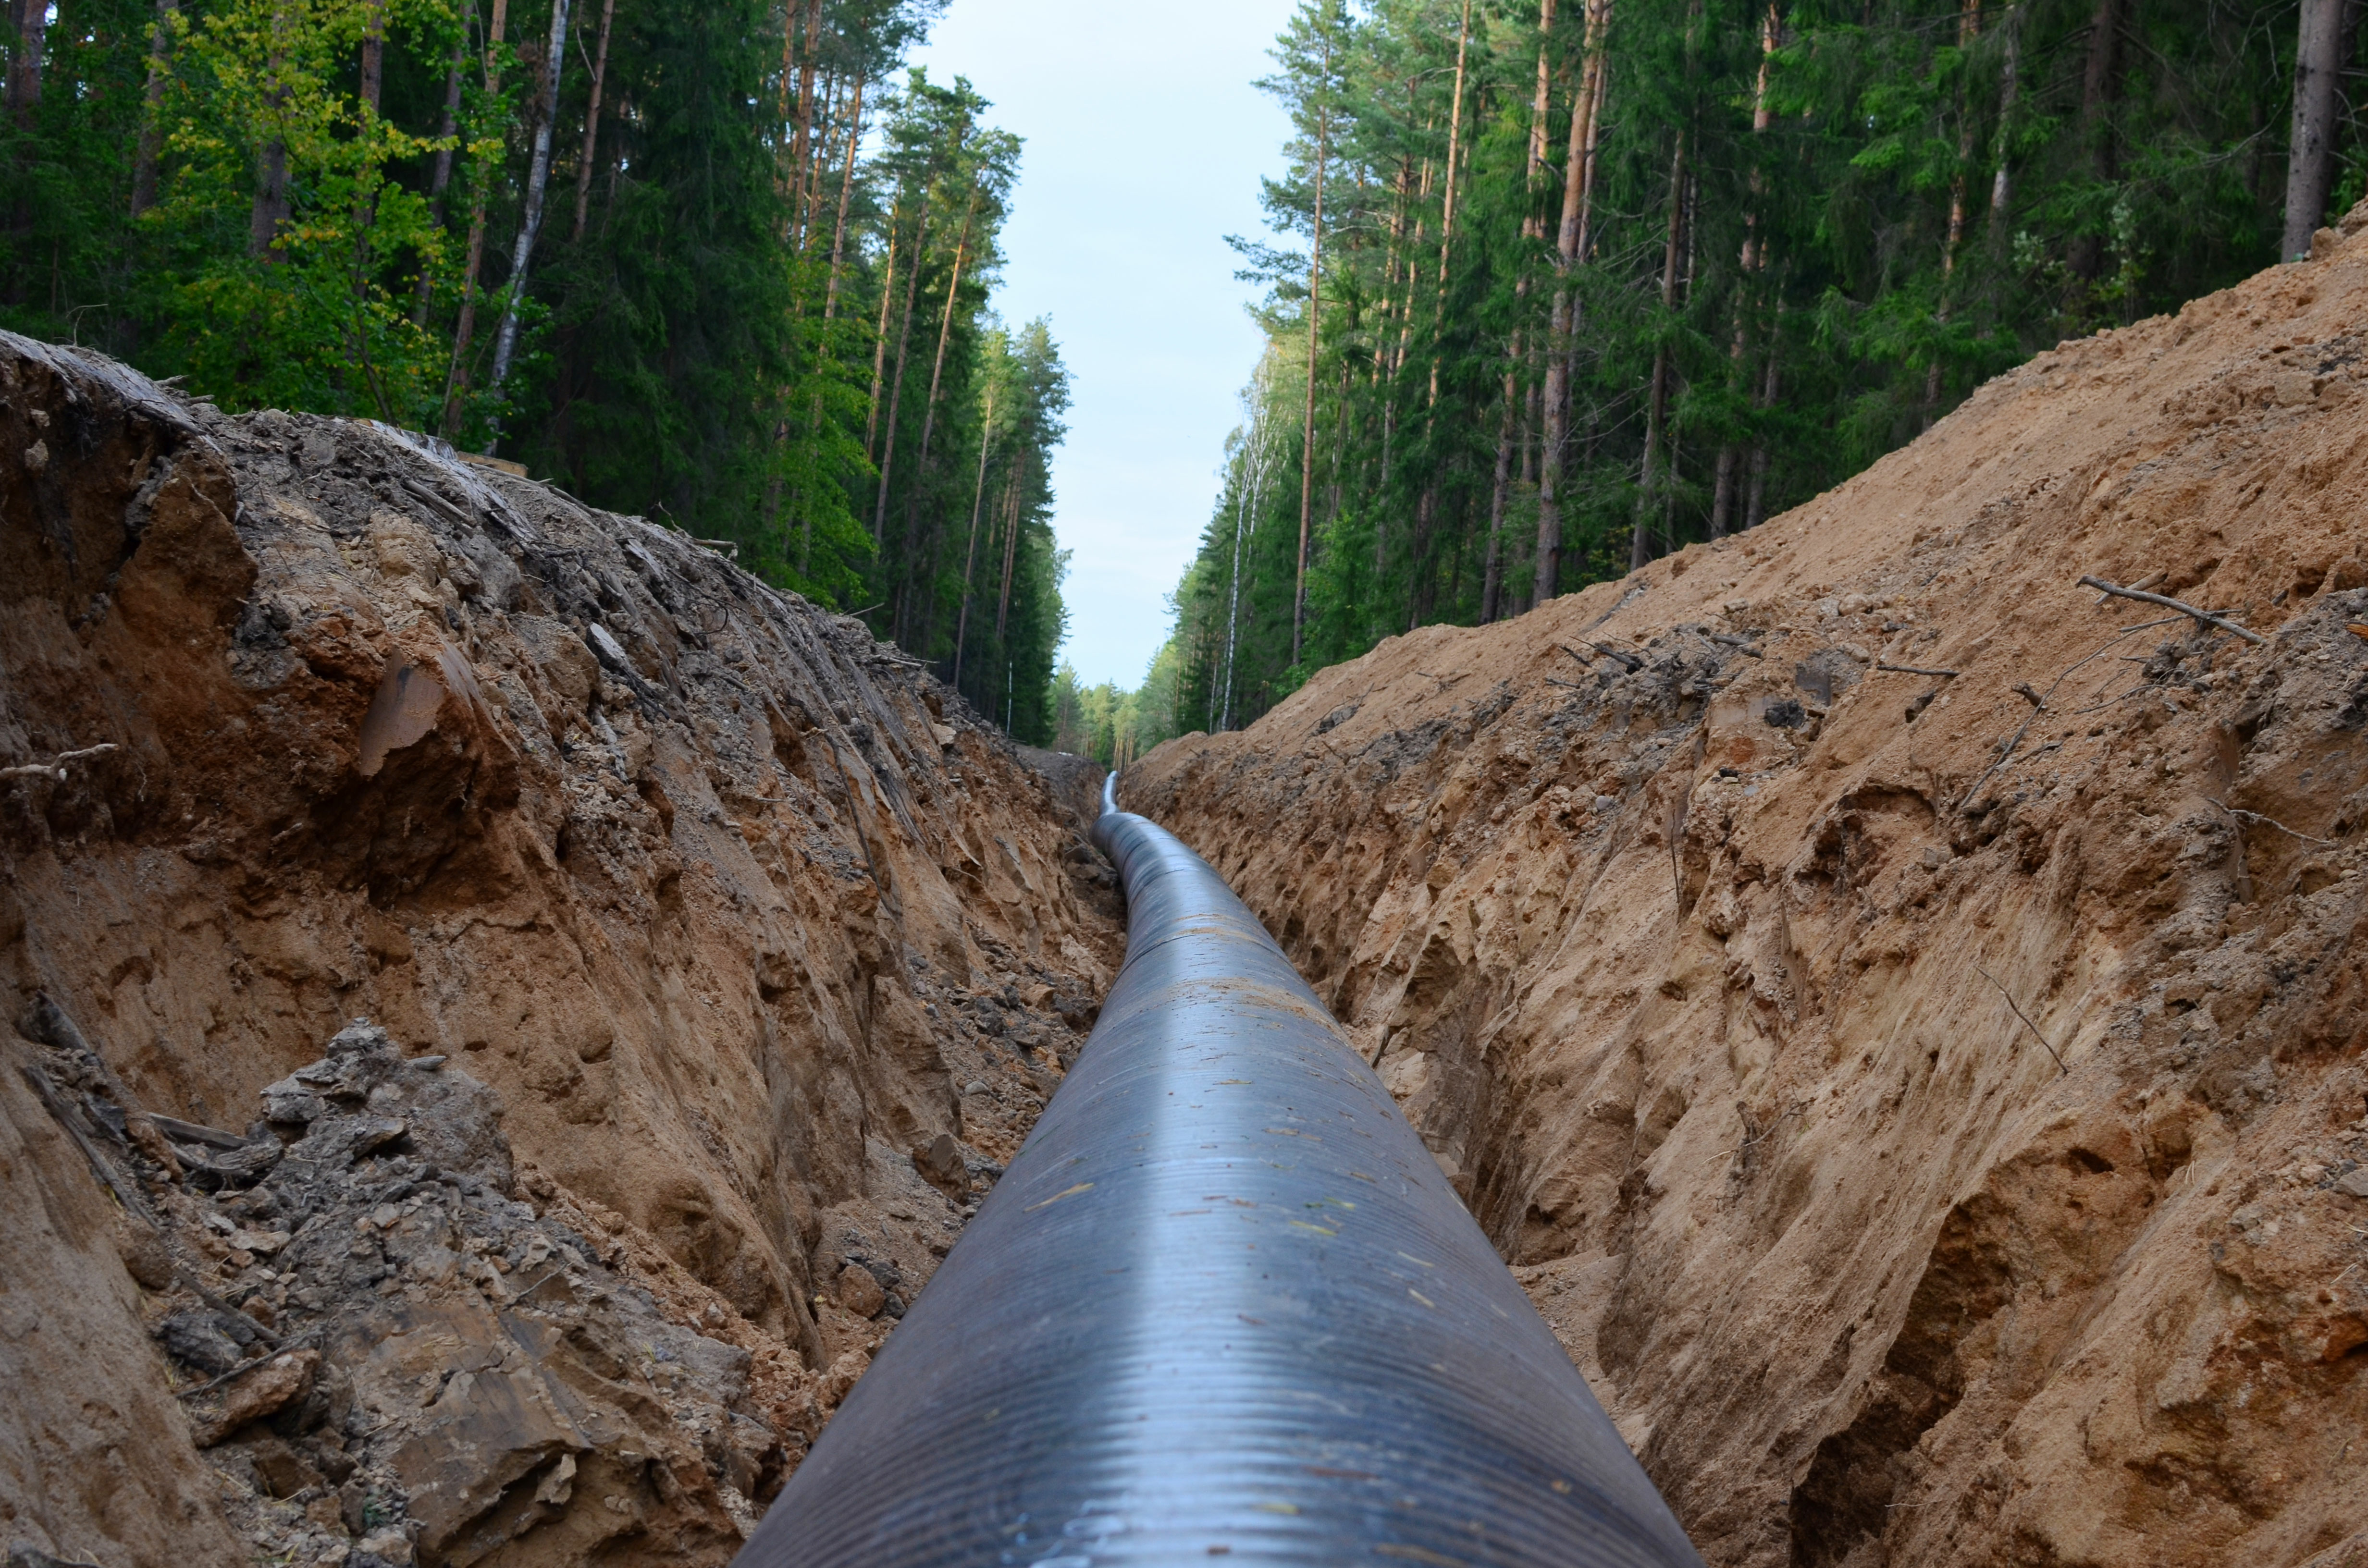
<point x="1874" y="208"/>
<point x="705" y="304"/>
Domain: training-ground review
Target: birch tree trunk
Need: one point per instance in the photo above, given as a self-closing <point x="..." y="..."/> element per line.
<point x="151" y="128"/>
<point x="455" y="379"/>
<point x="537" y="179"/>
<point x="2320" y="51"/>
<point x="2010" y="89"/>
<point x="1315" y="330"/>
<point x="592" y="125"/>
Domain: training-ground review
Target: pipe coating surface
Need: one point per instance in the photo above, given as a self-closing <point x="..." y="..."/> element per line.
<point x="1223" y="1307"/>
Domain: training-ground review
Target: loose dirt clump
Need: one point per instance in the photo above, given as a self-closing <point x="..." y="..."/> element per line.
<point x="1899" y="1010"/>
<point x="508" y="1008"/>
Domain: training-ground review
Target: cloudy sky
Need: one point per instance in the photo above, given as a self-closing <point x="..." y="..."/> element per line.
<point x="1146" y="142"/>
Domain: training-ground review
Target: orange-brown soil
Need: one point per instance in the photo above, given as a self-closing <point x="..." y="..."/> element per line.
<point x="1930" y="1106"/>
<point x="715" y="960"/>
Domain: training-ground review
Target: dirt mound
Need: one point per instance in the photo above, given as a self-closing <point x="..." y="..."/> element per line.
<point x="689" y="963"/>
<point x="1900" y="1009"/>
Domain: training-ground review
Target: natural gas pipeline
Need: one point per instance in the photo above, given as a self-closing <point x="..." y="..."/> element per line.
<point x="1224" y="1305"/>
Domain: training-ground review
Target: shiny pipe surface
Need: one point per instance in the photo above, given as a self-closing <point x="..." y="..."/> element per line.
<point x="1223" y="1306"/>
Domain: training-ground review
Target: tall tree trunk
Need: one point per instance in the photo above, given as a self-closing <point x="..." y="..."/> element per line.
<point x="846" y="190"/>
<point x="1010" y="551"/>
<point x="373" y="66"/>
<point x="31" y="18"/>
<point x="423" y="291"/>
<point x="880" y="340"/>
<point x="1578" y="183"/>
<point x="1969" y="29"/>
<point x="1656" y="397"/>
<point x="897" y="380"/>
<point x="1492" y="571"/>
<point x="1540" y="105"/>
<point x="2319" y="53"/>
<point x="929" y="422"/>
<point x="1754" y="258"/>
<point x="270" y="210"/>
<point x="970" y="562"/>
<point x="151" y="125"/>
<point x="2009" y="90"/>
<point x="537" y="179"/>
<point x="1755" y="510"/>
<point x="805" y="119"/>
<point x="1315" y="330"/>
<point x="455" y="379"/>
<point x="2099" y="79"/>
<point x="1454" y="143"/>
<point x="591" y="126"/>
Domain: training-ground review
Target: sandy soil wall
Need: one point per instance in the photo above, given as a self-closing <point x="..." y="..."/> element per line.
<point x="765" y="950"/>
<point x="1900" y="1010"/>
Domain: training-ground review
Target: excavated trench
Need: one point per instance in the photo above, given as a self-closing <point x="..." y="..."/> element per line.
<point x="509" y="1011"/>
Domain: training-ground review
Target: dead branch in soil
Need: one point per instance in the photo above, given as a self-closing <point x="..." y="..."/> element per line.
<point x="1913" y="669"/>
<point x="2243" y="816"/>
<point x="55" y="767"/>
<point x="2039" y="704"/>
<point x="2206" y="615"/>
<point x="2019" y="1013"/>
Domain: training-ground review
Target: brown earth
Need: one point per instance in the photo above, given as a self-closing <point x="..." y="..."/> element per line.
<point x="1728" y="972"/>
<point x="716" y="959"/>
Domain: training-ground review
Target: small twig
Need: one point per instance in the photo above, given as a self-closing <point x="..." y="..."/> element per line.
<point x="2022" y="689"/>
<point x="240" y="1370"/>
<point x="1627" y="661"/>
<point x="2148" y="581"/>
<point x="54" y="768"/>
<point x="2243" y="815"/>
<point x="1913" y="669"/>
<point x="1585" y="663"/>
<point x="2093" y="707"/>
<point x="2019" y="1013"/>
<point x="197" y="1287"/>
<point x="1565" y="685"/>
<point x="2206" y="615"/>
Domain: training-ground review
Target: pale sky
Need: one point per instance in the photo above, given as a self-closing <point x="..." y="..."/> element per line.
<point x="1144" y="145"/>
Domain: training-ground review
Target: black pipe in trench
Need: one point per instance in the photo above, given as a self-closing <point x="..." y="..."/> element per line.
<point x="1223" y="1307"/>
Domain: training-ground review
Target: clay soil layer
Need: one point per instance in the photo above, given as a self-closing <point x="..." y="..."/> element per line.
<point x="1900" y="1010"/>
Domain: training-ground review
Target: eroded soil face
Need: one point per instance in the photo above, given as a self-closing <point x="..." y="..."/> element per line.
<point x="1929" y="1105"/>
<point x="714" y="960"/>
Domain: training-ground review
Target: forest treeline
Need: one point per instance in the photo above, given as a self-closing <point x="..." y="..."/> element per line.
<point x="721" y="264"/>
<point x="1580" y="281"/>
